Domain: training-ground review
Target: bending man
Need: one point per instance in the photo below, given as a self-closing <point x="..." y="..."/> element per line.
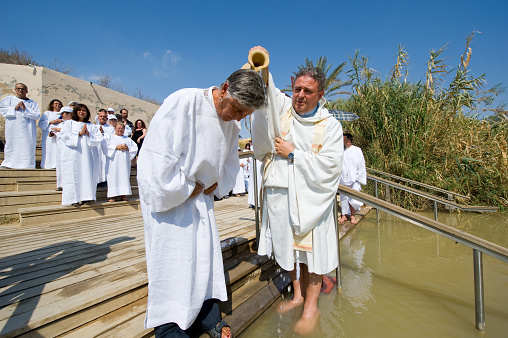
<point x="302" y="165"/>
<point x="189" y="153"/>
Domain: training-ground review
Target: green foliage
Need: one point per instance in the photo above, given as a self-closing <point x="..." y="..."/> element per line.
<point x="421" y="131"/>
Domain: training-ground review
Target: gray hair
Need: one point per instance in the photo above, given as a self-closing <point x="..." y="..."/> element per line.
<point x="247" y="87"/>
<point x="315" y="73"/>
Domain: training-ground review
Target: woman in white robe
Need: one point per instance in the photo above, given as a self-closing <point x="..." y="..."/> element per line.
<point x="190" y="151"/>
<point x="80" y="170"/>
<point x="120" y="150"/>
<point x="49" y="119"/>
<point x="239" y="188"/>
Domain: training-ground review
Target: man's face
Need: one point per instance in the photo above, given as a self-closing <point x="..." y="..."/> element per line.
<point x="66" y="116"/>
<point x="103" y="117"/>
<point x="230" y="110"/>
<point x="305" y="94"/>
<point x="125" y="114"/>
<point x="21" y="91"/>
<point x="113" y="123"/>
<point x="347" y="143"/>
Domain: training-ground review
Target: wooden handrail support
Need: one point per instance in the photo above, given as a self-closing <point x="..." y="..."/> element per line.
<point x="418" y="183"/>
<point x="433" y="197"/>
<point x="478" y="245"/>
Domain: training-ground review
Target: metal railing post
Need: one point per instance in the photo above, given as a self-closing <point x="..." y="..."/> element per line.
<point x="435" y="210"/>
<point x="377" y="210"/>
<point x="479" y="304"/>
<point x="256" y="198"/>
<point x="338" y="274"/>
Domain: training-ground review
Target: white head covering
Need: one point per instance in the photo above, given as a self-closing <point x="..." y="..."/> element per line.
<point x="65" y="110"/>
<point x="73" y="102"/>
<point x="112" y="117"/>
<point x="111" y="109"/>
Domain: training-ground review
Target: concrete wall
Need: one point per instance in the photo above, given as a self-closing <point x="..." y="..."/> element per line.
<point x="46" y="84"/>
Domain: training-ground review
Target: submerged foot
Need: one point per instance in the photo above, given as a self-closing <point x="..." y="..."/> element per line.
<point x="286" y="306"/>
<point x="342" y="219"/>
<point x="307" y="323"/>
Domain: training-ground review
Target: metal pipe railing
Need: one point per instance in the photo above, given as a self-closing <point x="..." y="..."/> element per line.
<point x="478" y="245"/>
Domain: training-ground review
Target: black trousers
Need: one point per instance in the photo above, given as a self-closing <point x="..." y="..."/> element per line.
<point x="208" y="317"/>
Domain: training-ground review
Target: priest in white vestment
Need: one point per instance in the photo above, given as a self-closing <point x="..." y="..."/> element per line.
<point x="189" y="154"/>
<point x="302" y="148"/>
<point x="120" y="150"/>
<point x="49" y="119"/>
<point x="20" y="130"/>
<point x="354" y="174"/>
<point x="80" y="170"/>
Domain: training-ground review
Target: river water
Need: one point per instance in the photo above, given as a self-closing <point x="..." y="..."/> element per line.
<point x="400" y="280"/>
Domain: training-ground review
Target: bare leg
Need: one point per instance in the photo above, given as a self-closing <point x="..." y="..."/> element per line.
<point x="310" y="315"/>
<point x="353" y="214"/>
<point x="297" y="295"/>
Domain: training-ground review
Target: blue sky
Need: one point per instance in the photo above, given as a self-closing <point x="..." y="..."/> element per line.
<point x="162" y="46"/>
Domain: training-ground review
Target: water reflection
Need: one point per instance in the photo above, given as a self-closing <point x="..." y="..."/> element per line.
<point x="401" y="280"/>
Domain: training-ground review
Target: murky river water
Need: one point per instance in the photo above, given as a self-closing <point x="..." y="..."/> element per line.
<point x="400" y="280"/>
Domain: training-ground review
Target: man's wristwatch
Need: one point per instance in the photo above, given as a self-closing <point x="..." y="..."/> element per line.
<point x="291" y="157"/>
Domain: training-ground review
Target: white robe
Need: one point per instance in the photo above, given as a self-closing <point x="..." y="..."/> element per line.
<point x="80" y="169"/>
<point x="251" y="196"/>
<point x="20" y="133"/>
<point x="108" y="130"/>
<point x="48" y="144"/>
<point x="245" y="170"/>
<point x="58" y="162"/>
<point x="119" y="164"/>
<point x="353" y="175"/>
<point x="299" y="196"/>
<point x="239" y="187"/>
<point x="186" y="143"/>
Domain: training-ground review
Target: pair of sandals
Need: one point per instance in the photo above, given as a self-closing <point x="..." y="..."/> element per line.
<point x="114" y="199"/>
<point x="216" y="332"/>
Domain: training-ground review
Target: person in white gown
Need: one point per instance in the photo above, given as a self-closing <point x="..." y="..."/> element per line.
<point x="65" y="113"/>
<point x="354" y="174"/>
<point x="80" y="169"/>
<point x="188" y="155"/>
<point x="106" y="130"/>
<point x="302" y="151"/>
<point x="120" y="150"/>
<point x="20" y="130"/>
<point x="239" y="188"/>
<point x="49" y="119"/>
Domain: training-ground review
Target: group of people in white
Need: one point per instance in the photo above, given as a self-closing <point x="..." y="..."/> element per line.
<point x="85" y="155"/>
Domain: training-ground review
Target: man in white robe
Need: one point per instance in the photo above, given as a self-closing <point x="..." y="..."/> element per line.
<point x="301" y="144"/>
<point x="65" y="112"/>
<point x="106" y="130"/>
<point x="354" y="174"/>
<point x="120" y="150"/>
<point x="190" y="152"/>
<point x="20" y="130"/>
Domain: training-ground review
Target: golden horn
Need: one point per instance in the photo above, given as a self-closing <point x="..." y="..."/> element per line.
<point x="259" y="60"/>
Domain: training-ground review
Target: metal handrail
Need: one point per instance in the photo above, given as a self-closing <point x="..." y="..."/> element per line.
<point x="478" y="245"/>
<point x="423" y="185"/>
<point x="433" y="198"/>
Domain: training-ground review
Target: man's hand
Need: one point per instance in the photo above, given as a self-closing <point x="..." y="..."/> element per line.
<point x="57" y="121"/>
<point x="20" y="106"/>
<point x="283" y="148"/>
<point x="198" y="189"/>
<point x="122" y="147"/>
<point x="210" y="189"/>
<point x="102" y="130"/>
<point x="57" y="130"/>
<point x="84" y="131"/>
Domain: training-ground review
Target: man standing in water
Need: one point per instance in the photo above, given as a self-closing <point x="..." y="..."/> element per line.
<point x="302" y="167"/>
<point x="354" y="174"/>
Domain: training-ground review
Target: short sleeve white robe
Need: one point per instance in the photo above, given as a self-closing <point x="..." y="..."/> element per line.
<point x="354" y="174"/>
<point x="119" y="164"/>
<point x="79" y="165"/>
<point x="299" y="196"/>
<point x="48" y="146"/>
<point x="186" y="143"/>
<point x="20" y="132"/>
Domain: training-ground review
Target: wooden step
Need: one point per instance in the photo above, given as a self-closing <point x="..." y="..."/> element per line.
<point x="11" y="202"/>
<point x="47" y="214"/>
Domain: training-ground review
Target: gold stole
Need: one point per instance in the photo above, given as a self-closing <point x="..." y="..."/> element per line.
<point x="303" y="243"/>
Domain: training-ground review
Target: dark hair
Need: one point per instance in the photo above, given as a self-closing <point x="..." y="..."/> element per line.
<point x="50" y="106"/>
<point x="143" y="125"/>
<point x="75" y="116"/>
<point x="315" y="73"/>
<point x="349" y="137"/>
<point x="103" y="110"/>
<point x="247" y="87"/>
<point x="119" y="117"/>
<point x="125" y="110"/>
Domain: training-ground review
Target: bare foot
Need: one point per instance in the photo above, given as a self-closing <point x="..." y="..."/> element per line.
<point x="111" y="200"/>
<point x="289" y="305"/>
<point x="306" y="324"/>
<point x="226" y="332"/>
<point x="353" y="220"/>
<point x="342" y="219"/>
